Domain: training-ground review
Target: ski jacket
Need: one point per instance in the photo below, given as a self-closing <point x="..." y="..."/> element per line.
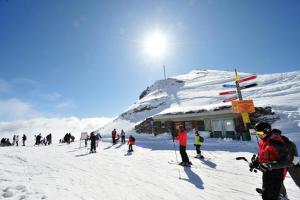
<point x="182" y="138"/>
<point x="272" y="150"/>
<point x="197" y="140"/>
<point x="113" y="134"/>
<point x="131" y="140"/>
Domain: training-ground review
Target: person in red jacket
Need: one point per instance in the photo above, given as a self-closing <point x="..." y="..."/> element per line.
<point x="113" y="136"/>
<point x="272" y="160"/>
<point x="131" y="141"/>
<point x="182" y="139"/>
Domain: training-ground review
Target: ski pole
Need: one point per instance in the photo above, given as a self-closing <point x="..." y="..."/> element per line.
<point x="176" y="157"/>
<point x="245" y="159"/>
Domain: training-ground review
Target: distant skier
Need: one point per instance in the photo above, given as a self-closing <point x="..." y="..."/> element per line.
<point x="131" y="142"/>
<point x="24" y="138"/>
<point x="113" y="136"/>
<point x="93" y="143"/>
<point x="198" y="143"/>
<point x="14" y="140"/>
<point x="17" y="140"/>
<point x="272" y="160"/>
<point x="98" y="138"/>
<point x="182" y="139"/>
<point x="122" y="137"/>
<point x="49" y="139"/>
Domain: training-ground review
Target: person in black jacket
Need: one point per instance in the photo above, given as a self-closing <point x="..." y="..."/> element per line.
<point x="24" y="138"/>
<point x="93" y="142"/>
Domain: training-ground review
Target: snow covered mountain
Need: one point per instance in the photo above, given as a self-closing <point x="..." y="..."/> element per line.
<point x="69" y="172"/>
<point x="200" y="89"/>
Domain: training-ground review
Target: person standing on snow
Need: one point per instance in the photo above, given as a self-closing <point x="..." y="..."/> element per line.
<point x="122" y="137"/>
<point x="93" y="143"/>
<point x="272" y="160"/>
<point x="198" y="143"/>
<point x="24" y="138"/>
<point x="182" y="139"/>
<point x="113" y="136"/>
<point x="131" y="141"/>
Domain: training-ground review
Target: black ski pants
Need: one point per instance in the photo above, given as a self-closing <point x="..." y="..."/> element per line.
<point x="272" y="182"/>
<point x="93" y="146"/>
<point x="198" y="149"/>
<point x="130" y="147"/>
<point x="183" y="154"/>
<point x="123" y="138"/>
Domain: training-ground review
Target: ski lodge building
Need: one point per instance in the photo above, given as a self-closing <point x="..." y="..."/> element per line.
<point x="221" y="122"/>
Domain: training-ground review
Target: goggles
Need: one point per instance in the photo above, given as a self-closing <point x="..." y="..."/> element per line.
<point x="261" y="134"/>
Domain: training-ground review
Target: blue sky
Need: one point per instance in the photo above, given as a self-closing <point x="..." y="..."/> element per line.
<point x="85" y="58"/>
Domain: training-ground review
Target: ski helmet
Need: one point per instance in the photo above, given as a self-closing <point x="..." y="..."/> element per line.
<point x="262" y="126"/>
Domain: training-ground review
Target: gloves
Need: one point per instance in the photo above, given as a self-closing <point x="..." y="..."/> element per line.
<point x="254" y="163"/>
<point x="264" y="167"/>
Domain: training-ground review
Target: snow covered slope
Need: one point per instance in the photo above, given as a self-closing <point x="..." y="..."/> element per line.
<point x="68" y="172"/>
<point x="200" y="89"/>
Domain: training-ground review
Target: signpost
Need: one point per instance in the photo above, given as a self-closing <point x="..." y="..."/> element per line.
<point x="241" y="106"/>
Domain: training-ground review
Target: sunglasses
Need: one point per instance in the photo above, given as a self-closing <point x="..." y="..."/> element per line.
<point x="261" y="134"/>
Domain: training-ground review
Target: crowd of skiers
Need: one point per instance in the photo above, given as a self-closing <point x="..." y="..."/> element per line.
<point x="43" y="140"/>
<point x="94" y="137"/>
<point x="6" y="142"/>
<point x="68" y="138"/>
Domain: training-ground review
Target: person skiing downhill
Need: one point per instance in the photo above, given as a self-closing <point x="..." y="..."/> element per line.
<point x="182" y="139"/>
<point x="272" y="160"/>
<point x="198" y="143"/>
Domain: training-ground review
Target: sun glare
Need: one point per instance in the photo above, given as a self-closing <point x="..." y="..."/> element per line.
<point x="155" y="45"/>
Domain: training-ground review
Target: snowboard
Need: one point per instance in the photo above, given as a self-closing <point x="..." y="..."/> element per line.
<point x="294" y="171"/>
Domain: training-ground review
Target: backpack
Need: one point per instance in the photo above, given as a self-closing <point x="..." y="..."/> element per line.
<point x="133" y="139"/>
<point x="292" y="149"/>
<point x="201" y="139"/>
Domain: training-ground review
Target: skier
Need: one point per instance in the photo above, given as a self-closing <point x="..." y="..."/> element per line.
<point x="24" y="138"/>
<point x="17" y="140"/>
<point x="198" y="143"/>
<point x="122" y="137"/>
<point x="14" y="140"/>
<point x="113" y="136"/>
<point x="272" y="160"/>
<point x="49" y="138"/>
<point x="182" y="139"/>
<point x="93" y="142"/>
<point x="131" y="141"/>
<point x="98" y="138"/>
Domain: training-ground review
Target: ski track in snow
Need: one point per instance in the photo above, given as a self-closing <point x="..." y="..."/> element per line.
<point x="70" y="172"/>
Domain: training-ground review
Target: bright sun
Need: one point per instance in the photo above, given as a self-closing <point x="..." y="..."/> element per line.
<point x="155" y="45"/>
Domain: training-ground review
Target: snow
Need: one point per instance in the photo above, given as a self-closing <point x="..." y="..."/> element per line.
<point x="64" y="171"/>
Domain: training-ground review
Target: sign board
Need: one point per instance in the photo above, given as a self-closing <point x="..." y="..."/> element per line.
<point x="83" y="135"/>
<point x="248" y="86"/>
<point x="230" y="99"/>
<point x="228" y="92"/>
<point x="247" y="79"/>
<point x="242" y="106"/>
<point x="228" y="86"/>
